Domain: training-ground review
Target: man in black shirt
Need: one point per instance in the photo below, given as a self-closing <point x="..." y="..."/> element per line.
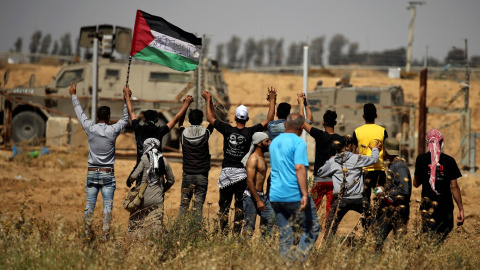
<point x="438" y="173"/>
<point x="196" y="162"/>
<point x="236" y="144"/>
<point x="149" y="129"/>
<point x="324" y="150"/>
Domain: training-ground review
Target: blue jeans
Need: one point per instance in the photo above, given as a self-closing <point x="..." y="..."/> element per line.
<point x="105" y="183"/>
<point x="287" y="215"/>
<point x="250" y="212"/>
<point x="193" y="184"/>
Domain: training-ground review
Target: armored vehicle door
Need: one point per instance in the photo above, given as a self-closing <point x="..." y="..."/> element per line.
<point x="58" y="97"/>
<point x="109" y="83"/>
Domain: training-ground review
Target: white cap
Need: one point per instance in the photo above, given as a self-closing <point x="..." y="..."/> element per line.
<point x="241" y="112"/>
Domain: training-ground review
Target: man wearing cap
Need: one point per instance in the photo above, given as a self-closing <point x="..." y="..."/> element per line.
<point x="101" y="158"/>
<point x="437" y="173"/>
<point x="149" y="129"/>
<point x="288" y="195"/>
<point x="255" y="202"/>
<point x="394" y="197"/>
<point x="236" y="144"/>
<point x="363" y="136"/>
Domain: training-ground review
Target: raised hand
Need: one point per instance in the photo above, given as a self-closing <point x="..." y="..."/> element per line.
<point x="206" y="95"/>
<point x="272" y="93"/>
<point x="300" y="98"/>
<point x="73" y="88"/>
<point x="127" y="93"/>
<point x="188" y="100"/>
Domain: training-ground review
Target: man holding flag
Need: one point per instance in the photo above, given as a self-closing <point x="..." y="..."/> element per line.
<point x="158" y="41"/>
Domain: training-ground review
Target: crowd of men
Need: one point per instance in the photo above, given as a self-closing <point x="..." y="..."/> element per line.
<point x="346" y="171"/>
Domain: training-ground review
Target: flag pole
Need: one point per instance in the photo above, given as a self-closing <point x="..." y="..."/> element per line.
<point x="128" y="71"/>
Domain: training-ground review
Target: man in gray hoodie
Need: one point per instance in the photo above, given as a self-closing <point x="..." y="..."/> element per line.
<point x="345" y="168"/>
<point x="196" y="162"/>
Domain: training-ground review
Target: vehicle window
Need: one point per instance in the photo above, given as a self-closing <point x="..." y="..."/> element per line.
<point x="173" y="77"/>
<point x="70" y="76"/>
<point x="368" y="98"/>
<point x="397" y="98"/>
<point x="112" y="73"/>
<point x="314" y="102"/>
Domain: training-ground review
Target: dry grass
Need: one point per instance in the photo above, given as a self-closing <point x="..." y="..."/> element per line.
<point x="28" y="242"/>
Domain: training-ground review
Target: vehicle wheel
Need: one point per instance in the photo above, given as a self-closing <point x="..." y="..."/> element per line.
<point x="28" y="126"/>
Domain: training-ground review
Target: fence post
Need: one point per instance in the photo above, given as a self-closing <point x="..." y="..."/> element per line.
<point x="422" y="111"/>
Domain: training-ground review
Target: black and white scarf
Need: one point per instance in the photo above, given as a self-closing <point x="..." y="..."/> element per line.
<point x="151" y="148"/>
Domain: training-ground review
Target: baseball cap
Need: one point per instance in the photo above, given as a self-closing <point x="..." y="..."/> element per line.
<point x="241" y="112"/>
<point x="391" y="146"/>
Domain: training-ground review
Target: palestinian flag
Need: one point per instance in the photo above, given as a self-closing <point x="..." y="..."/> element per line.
<point x="158" y="41"/>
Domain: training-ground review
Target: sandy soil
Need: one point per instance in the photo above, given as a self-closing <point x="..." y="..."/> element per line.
<point x="53" y="186"/>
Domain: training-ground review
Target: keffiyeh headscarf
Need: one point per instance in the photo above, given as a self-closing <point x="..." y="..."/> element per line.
<point x="151" y="148"/>
<point x="434" y="144"/>
<point x="257" y="137"/>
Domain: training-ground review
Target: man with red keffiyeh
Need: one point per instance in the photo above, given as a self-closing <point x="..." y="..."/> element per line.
<point x="438" y="173"/>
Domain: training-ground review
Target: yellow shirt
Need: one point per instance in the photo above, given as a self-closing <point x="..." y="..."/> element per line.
<point x="366" y="135"/>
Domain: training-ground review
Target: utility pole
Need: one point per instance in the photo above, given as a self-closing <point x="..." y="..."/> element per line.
<point x="425" y="63"/>
<point x="95" y="79"/>
<point x="467" y="75"/>
<point x="305" y="82"/>
<point x="412" y="6"/>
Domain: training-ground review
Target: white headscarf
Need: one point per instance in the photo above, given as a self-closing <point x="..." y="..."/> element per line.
<point x="257" y="137"/>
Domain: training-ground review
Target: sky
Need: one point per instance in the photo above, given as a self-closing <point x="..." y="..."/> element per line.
<point x="375" y="24"/>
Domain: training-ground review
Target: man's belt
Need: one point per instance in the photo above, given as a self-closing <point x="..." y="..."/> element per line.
<point x="90" y="169"/>
<point x="247" y="192"/>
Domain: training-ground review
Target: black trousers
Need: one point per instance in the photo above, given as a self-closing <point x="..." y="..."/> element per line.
<point x="339" y="209"/>
<point x="391" y="218"/>
<point x="372" y="179"/>
<point x="224" y="202"/>
<point x="438" y="220"/>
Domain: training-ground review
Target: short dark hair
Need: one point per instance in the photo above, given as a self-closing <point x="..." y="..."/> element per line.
<point x="283" y="110"/>
<point x="241" y="121"/>
<point x="330" y="118"/>
<point x="369" y="112"/>
<point x="195" y="117"/>
<point x="150" y="115"/>
<point x="103" y="113"/>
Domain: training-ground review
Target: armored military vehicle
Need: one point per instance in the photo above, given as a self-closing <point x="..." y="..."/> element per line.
<point x="348" y="100"/>
<point x="27" y="109"/>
